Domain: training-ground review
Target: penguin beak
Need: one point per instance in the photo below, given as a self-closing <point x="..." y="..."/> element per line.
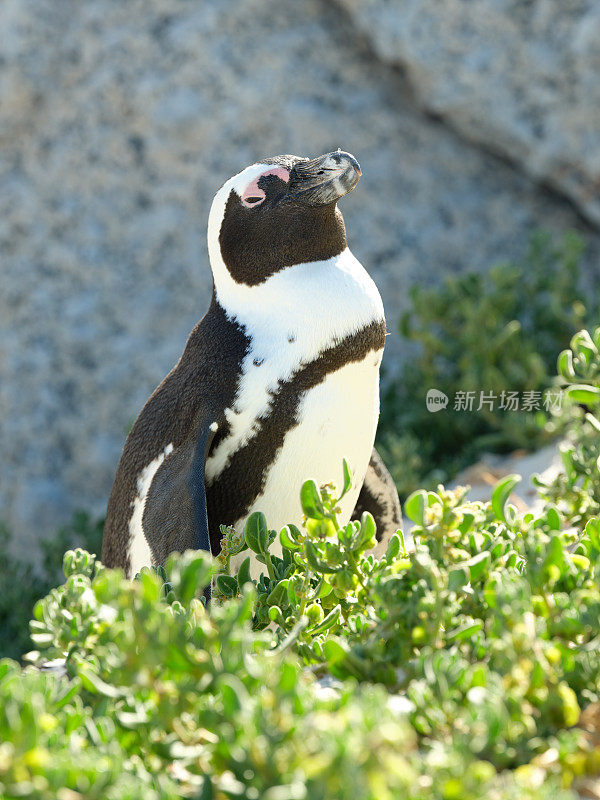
<point x="323" y="180"/>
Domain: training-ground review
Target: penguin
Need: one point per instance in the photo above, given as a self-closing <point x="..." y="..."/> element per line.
<point x="277" y="383"/>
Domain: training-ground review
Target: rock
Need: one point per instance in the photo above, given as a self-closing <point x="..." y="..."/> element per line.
<point x="519" y="78"/>
<point x="483" y="476"/>
<point x="118" y="122"/>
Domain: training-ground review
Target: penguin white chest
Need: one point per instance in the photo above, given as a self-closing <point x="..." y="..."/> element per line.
<point x="336" y="419"/>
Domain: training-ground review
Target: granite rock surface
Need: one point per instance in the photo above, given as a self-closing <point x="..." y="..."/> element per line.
<point x="519" y="78"/>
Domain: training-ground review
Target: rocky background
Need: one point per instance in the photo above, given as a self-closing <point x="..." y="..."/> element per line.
<point x="475" y="123"/>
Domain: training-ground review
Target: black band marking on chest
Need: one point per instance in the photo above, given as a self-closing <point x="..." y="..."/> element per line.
<point x="235" y="488"/>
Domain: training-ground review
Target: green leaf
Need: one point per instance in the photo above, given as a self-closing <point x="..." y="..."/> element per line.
<point x="328" y="622"/>
<point x="70" y="690"/>
<point x="279" y="595"/>
<point x="553" y="518"/>
<point x="584" y="393"/>
<point x="566" y="456"/>
<point x="368" y="529"/>
<point x="310" y="498"/>
<point x="291" y="590"/>
<point x="415" y="506"/>
<point x="592" y="529"/>
<point x="295" y="532"/>
<point x="458" y="577"/>
<point x="433" y="499"/>
<point x="500" y="495"/>
<point x="347" y="480"/>
<point x="323" y="589"/>
<point x="334" y="651"/>
<point x="581" y="562"/>
<point x="555" y="552"/>
<point x="243" y="575"/>
<point x="264" y="538"/>
<point x="206" y="792"/>
<point x="233" y="694"/>
<point x="478" y="565"/>
<point x="227" y="585"/>
<point x="285" y="537"/>
<point x="565" y="365"/>
<point x="467" y="522"/>
<point x="94" y="684"/>
<point x="288" y="677"/>
<point x="312" y="556"/>
<point x="582" y="344"/>
<point x="393" y="548"/>
<point x="256" y="532"/>
<point x="464" y="631"/>
<point x="194" y="574"/>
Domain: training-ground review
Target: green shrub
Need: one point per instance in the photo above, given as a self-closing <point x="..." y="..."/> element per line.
<point x="460" y="667"/>
<point x="457" y="668"/>
<point x="22" y="583"/>
<point x="576" y="489"/>
<point x="189" y="703"/>
<point x="498" y="332"/>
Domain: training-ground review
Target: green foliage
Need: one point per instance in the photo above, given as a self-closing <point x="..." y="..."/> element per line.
<point x="576" y="490"/>
<point x="495" y="333"/>
<point x="476" y="626"/>
<point x="455" y="668"/>
<point x="193" y="704"/>
<point x="22" y="584"/>
<point x="52" y="746"/>
<point x="164" y="699"/>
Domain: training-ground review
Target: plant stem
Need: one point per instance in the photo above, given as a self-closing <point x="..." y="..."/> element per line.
<point x="269" y="564"/>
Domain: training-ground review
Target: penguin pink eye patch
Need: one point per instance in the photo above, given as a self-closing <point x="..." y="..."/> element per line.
<point x="253" y="195"/>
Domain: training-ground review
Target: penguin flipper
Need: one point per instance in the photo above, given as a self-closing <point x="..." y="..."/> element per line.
<point x="175" y="515"/>
<point x="380" y="496"/>
<point x="198" y="488"/>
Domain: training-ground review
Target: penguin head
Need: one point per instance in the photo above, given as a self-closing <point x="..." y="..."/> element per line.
<point x="279" y="213"/>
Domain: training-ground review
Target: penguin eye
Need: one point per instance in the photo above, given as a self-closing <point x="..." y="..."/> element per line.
<point x="253" y="199"/>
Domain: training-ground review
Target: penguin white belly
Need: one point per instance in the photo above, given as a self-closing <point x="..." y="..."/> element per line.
<point x="337" y="419"/>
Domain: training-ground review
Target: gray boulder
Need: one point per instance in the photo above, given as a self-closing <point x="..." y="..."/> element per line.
<point x="520" y="78"/>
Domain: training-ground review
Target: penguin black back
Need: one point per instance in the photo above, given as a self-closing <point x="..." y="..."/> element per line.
<point x="203" y="382"/>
